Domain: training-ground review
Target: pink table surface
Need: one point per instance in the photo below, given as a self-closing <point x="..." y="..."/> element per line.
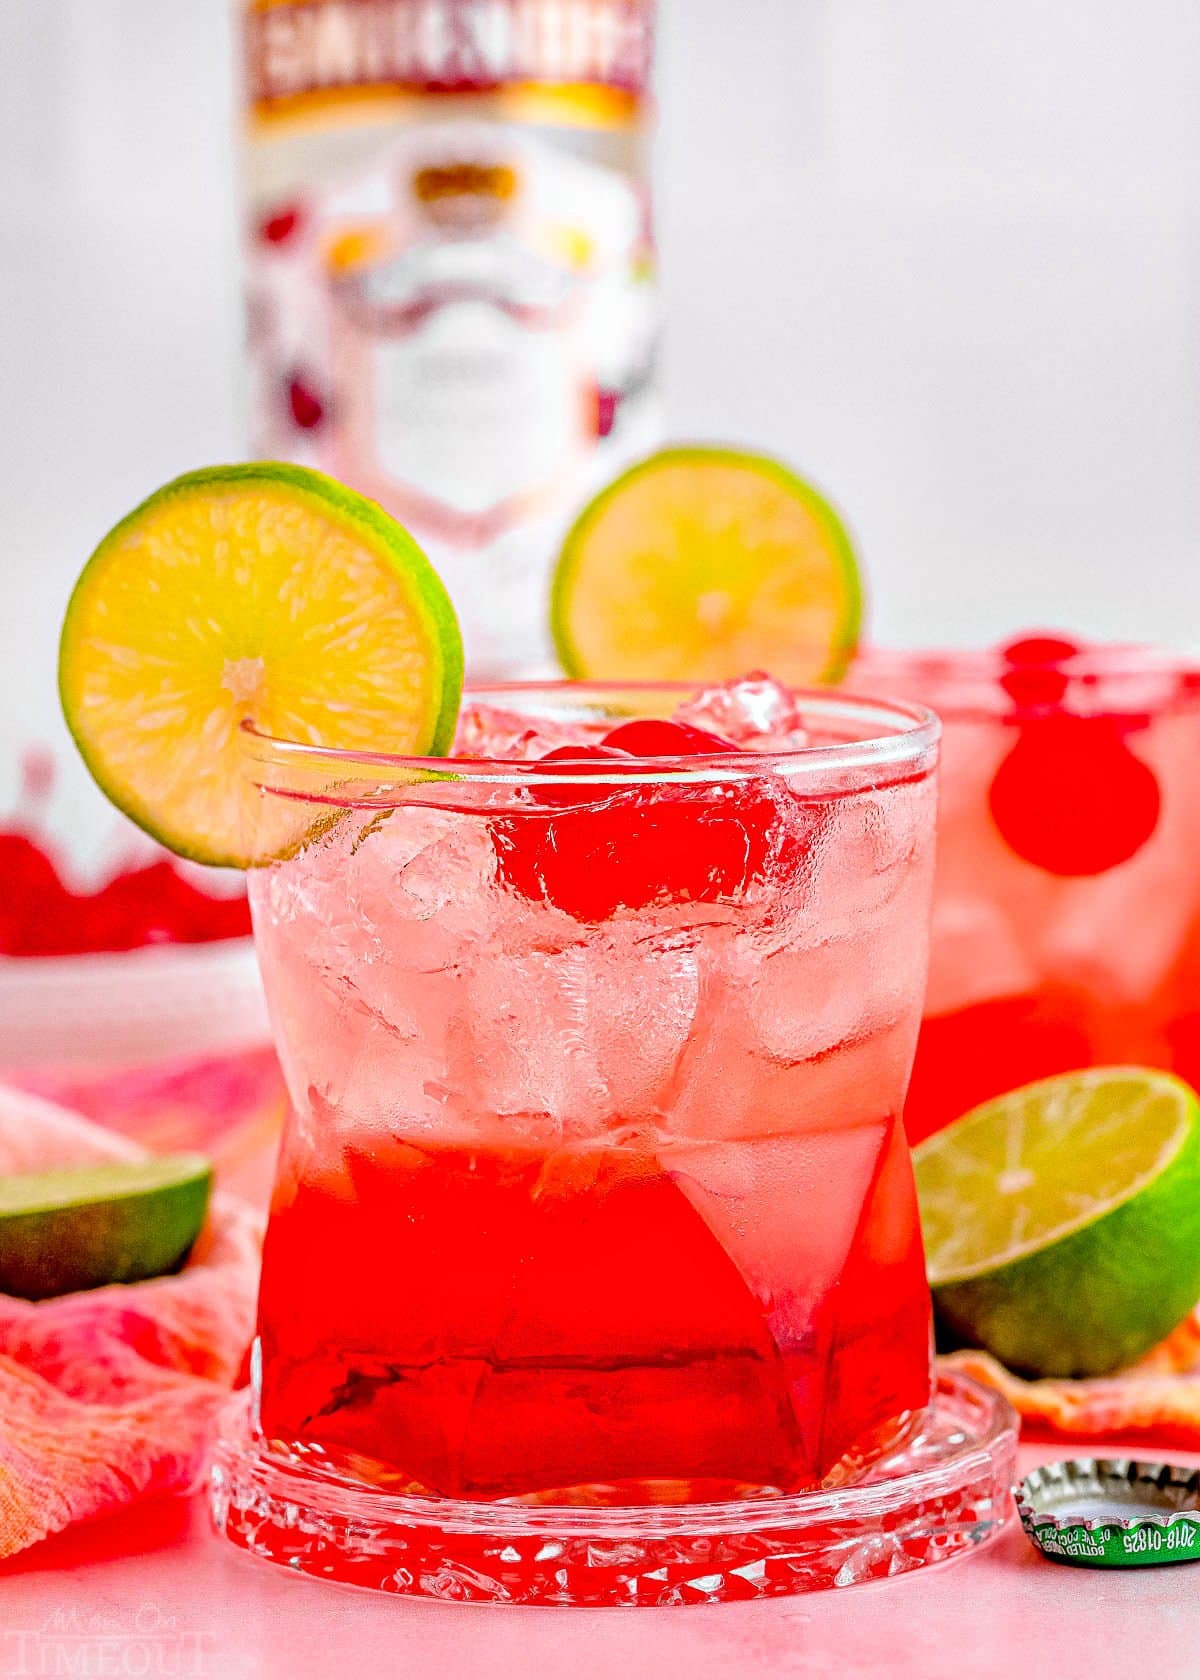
<point x="152" y="1592"/>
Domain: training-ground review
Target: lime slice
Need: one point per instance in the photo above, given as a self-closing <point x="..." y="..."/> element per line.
<point x="109" y="1222"/>
<point x="1062" y="1221"/>
<point x="701" y="564"/>
<point x="261" y="592"/>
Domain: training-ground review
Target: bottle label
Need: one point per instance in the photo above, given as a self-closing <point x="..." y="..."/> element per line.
<point x="295" y="49"/>
<point x="450" y="270"/>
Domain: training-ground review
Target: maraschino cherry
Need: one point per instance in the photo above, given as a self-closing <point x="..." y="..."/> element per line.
<point x="1072" y="797"/>
<point x="150" y="904"/>
<point x="613" y="845"/>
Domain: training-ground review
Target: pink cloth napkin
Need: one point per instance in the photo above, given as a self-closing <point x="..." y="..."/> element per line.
<point x="1157" y="1399"/>
<point x="230" y="1106"/>
<point x="110" y="1395"/>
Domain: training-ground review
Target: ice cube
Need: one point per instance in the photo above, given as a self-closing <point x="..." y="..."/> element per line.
<point x="337" y="1047"/>
<point x="449" y="877"/>
<point x="807" y="1000"/>
<point x="493" y="732"/>
<point x="787" y="1038"/>
<point x="720" y="1087"/>
<point x="872" y="863"/>
<point x="361" y="937"/>
<point x="588" y="1033"/>
<point x="754" y="712"/>
<point x="750" y="1195"/>
<point x="418" y="886"/>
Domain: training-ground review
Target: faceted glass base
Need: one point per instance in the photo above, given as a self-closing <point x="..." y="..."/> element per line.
<point x="943" y="1494"/>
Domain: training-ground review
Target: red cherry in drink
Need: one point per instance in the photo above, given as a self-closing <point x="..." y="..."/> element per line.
<point x="573" y="761"/>
<point x="307" y="409"/>
<point x="567" y="860"/>
<point x="609" y="845"/>
<point x="1072" y="797"/>
<point x="759" y="812"/>
<point x="661" y="738"/>
<point x="281" y="224"/>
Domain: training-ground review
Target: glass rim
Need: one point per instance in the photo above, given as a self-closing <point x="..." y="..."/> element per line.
<point x="973" y="677"/>
<point x="902" y="734"/>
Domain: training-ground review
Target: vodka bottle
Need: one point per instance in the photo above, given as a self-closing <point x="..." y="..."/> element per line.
<point x="450" y="272"/>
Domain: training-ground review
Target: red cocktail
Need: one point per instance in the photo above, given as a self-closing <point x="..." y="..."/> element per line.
<point x="594" y="1272"/>
<point x="596" y="1189"/>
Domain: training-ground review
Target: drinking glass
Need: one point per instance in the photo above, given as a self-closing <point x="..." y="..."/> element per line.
<point x="1066" y="912"/>
<point x="595" y="1206"/>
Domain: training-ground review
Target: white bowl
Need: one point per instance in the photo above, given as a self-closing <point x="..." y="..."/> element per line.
<point x="115" y="1009"/>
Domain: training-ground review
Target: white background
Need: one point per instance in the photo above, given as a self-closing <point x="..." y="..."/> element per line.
<point x="944" y="256"/>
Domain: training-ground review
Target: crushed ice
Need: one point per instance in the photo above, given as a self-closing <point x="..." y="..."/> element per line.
<point x="754" y="712"/>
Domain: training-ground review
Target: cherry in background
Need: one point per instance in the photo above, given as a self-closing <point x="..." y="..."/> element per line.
<point x="157" y="905"/>
<point x="41" y="915"/>
<point x="34" y="903"/>
<point x="1034" y="674"/>
<point x="1072" y="797"/>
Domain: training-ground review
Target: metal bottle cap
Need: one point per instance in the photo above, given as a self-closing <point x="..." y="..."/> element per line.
<point x="1112" y="1513"/>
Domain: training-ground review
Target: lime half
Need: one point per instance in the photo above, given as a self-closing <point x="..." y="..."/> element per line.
<point x="110" y="1222"/>
<point x="1062" y="1220"/>
<point x="265" y="593"/>
<point x="701" y="564"/>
